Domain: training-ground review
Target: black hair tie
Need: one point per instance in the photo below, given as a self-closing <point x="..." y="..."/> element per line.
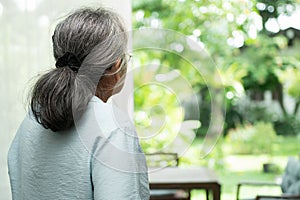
<point x="68" y="60"/>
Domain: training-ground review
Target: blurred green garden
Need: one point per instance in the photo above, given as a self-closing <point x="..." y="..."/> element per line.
<point x="255" y="47"/>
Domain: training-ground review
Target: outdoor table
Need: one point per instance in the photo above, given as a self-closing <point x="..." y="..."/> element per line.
<point x="185" y="178"/>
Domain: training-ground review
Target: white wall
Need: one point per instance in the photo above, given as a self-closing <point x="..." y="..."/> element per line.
<point x="25" y="50"/>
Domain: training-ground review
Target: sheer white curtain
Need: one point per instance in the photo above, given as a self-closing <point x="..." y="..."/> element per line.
<point x="26" y="27"/>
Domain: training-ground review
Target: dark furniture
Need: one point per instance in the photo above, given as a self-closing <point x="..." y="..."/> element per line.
<point x="186" y="179"/>
<point x="160" y="160"/>
<point x="265" y="197"/>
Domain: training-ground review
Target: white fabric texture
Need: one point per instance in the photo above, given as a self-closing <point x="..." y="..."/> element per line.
<point x="99" y="158"/>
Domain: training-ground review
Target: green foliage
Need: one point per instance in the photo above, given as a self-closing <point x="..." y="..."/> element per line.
<point x="290" y="76"/>
<point x="287" y="126"/>
<point x="247" y="60"/>
<point x="158" y="104"/>
<point x="252" y="112"/>
<point x="260" y="60"/>
<point x="252" y="139"/>
<point x="269" y="9"/>
<point x="292" y="82"/>
<point x="255" y="111"/>
<point x="157" y="119"/>
<point x="210" y="23"/>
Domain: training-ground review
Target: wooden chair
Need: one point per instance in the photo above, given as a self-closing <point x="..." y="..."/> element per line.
<point x="265" y="197"/>
<point x="164" y="159"/>
<point x="290" y="184"/>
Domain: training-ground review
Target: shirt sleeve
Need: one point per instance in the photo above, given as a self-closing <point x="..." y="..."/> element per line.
<point x="13" y="166"/>
<point x="118" y="168"/>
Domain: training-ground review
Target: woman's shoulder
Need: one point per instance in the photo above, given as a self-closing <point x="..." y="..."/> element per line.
<point x="104" y="120"/>
<point x="108" y="115"/>
<point x="106" y="130"/>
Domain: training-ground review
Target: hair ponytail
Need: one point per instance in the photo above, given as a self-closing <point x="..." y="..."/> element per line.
<point x="55" y="98"/>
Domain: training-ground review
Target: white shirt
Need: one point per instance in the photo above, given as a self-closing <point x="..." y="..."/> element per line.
<point x="99" y="158"/>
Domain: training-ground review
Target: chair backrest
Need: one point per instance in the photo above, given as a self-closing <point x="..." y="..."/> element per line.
<point x="162" y="159"/>
<point x="291" y="177"/>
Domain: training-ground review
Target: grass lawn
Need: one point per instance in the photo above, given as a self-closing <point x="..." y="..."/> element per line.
<point x="232" y="168"/>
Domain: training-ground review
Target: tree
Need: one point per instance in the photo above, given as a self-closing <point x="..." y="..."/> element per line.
<point x="235" y="35"/>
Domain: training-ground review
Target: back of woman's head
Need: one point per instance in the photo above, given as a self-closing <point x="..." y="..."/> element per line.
<point x="84" y="44"/>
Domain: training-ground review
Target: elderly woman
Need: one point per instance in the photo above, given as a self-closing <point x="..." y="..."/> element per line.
<point x="72" y="144"/>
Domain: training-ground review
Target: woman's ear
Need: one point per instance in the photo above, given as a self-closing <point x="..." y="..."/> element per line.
<point x="118" y="64"/>
<point x="114" y="68"/>
<point x="111" y="82"/>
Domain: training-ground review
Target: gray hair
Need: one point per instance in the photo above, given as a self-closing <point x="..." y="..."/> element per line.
<point x="97" y="38"/>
